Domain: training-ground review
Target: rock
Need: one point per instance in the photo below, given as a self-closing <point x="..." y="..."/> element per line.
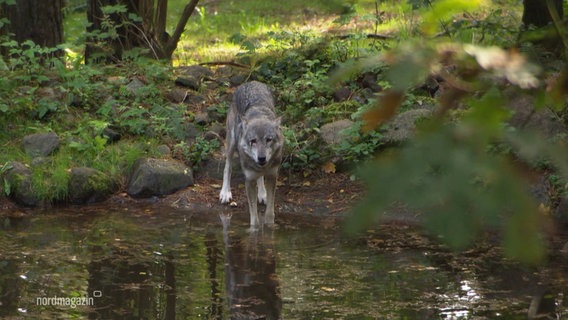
<point x="188" y="82"/>
<point x="195" y="99"/>
<point x="158" y="177"/>
<point x="218" y="129"/>
<point x="192" y="76"/>
<point x="341" y="94"/>
<point x="237" y="80"/>
<point x="197" y="72"/>
<point x="111" y="135"/>
<point x="191" y="132"/>
<point x="87" y="185"/>
<point x="213" y="168"/>
<point x="539" y="190"/>
<point x="369" y="80"/>
<point x="49" y="93"/>
<point x="217" y="112"/>
<point x="176" y="95"/>
<point x="561" y="212"/>
<point x="40" y="144"/>
<point x="19" y="180"/>
<point x="135" y="85"/>
<point x="526" y="117"/>
<point x="211" y="135"/>
<point x="212" y="85"/>
<point x="402" y="127"/>
<point x="163" y="150"/>
<point x="201" y="118"/>
<point x="224" y="71"/>
<point x="331" y="132"/>
<point x="223" y="82"/>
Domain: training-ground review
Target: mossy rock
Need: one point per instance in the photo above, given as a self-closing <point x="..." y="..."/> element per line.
<point x="403" y="126"/>
<point x="158" y="177"/>
<point x="18" y="185"/>
<point x="87" y="185"/>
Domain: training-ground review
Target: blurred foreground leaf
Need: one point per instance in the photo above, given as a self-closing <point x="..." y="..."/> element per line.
<point x="388" y="104"/>
<point x="460" y="190"/>
<point x="459" y="172"/>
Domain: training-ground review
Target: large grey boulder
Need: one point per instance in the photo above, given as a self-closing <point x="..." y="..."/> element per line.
<point x="40" y="144"/>
<point x="331" y="132"/>
<point x="158" y="177"/>
<point x="18" y="185"/>
<point x="402" y="126"/>
<point x="87" y="185"/>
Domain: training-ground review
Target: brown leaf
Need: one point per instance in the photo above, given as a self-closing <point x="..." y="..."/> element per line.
<point x="450" y="99"/>
<point x="388" y="104"/>
<point x="328" y="167"/>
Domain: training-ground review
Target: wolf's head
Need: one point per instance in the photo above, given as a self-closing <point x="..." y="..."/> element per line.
<point x="262" y="140"/>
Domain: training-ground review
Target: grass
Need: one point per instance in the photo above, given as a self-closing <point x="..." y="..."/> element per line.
<point x="211" y="30"/>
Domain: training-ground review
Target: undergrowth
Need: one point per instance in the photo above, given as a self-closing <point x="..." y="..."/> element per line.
<point x="445" y="172"/>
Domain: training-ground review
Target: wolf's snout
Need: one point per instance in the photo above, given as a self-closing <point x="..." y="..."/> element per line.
<point x="261" y="160"/>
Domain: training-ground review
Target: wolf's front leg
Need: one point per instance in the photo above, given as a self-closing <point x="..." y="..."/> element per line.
<point x="261" y="190"/>
<point x="270" y="184"/>
<point x="225" y="195"/>
<point x="251" y="189"/>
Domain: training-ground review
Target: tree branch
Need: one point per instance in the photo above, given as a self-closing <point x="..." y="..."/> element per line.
<point x="173" y="41"/>
<point x="225" y="63"/>
<point x="368" y="36"/>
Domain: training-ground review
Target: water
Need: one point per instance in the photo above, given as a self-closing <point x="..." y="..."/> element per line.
<point x="161" y="263"/>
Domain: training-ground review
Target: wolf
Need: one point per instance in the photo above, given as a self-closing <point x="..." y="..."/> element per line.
<point x="253" y="130"/>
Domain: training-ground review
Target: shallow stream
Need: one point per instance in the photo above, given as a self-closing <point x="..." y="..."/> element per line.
<point x="162" y="263"/>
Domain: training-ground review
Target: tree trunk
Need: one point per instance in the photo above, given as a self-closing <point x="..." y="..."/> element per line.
<point x="537" y="13"/>
<point x="147" y="32"/>
<point x="39" y="21"/>
<point x="126" y="33"/>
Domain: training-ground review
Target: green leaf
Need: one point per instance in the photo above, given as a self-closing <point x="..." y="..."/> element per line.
<point x="409" y="65"/>
<point x="488" y="113"/>
<point x="107" y="10"/>
<point x="443" y="10"/>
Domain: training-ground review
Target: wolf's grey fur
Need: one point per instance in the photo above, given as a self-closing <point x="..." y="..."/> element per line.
<point x="253" y="130"/>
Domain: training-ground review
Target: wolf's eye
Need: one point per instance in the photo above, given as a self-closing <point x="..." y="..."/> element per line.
<point x="252" y="141"/>
<point x="268" y="139"/>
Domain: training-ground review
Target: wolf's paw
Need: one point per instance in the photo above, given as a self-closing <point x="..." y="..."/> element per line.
<point x="225" y="196"/>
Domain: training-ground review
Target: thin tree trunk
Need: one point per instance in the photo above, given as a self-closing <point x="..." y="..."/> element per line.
<point x="537" y="13"/>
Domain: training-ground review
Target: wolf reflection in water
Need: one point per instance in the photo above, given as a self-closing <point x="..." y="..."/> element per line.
<point x="252" y="286"/>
